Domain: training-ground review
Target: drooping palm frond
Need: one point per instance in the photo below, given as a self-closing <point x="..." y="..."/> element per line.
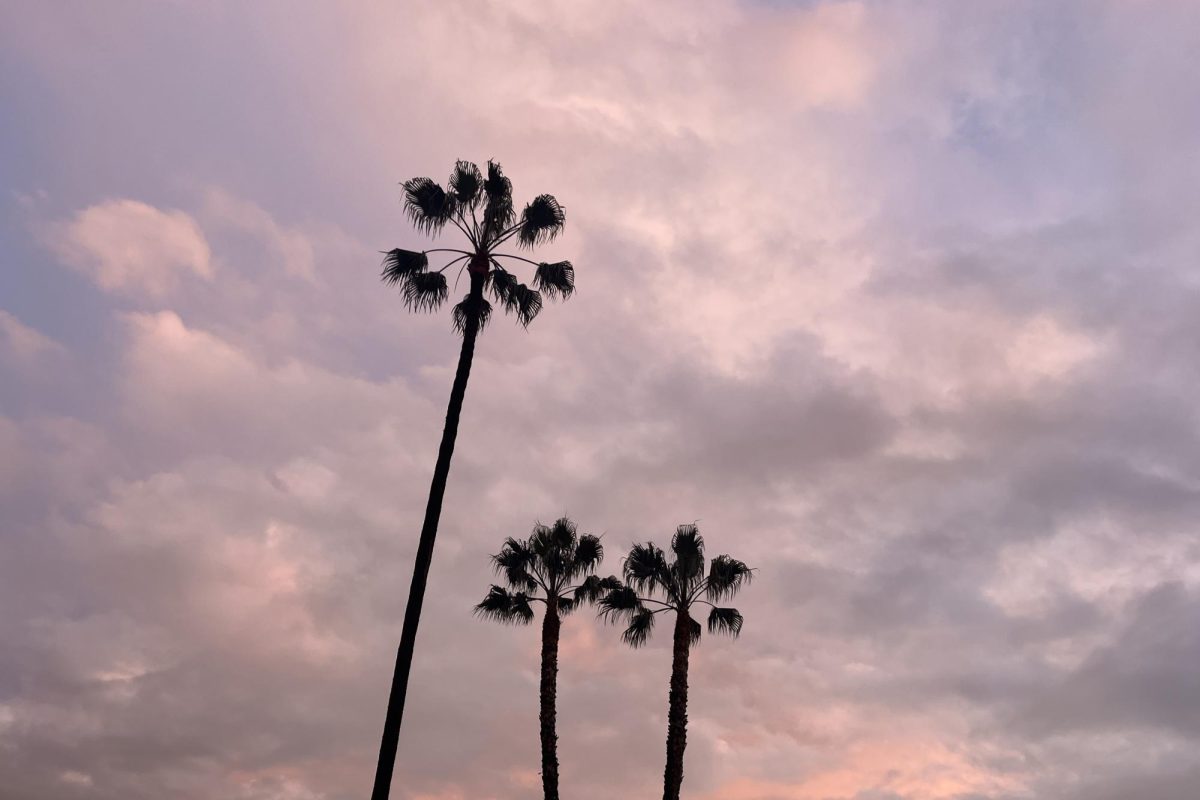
<point x="555" y="280"/>
<point x="646" y="569"/>
<point x="725" y="620"/>
<point x="527" y="303"/>
<point x="566" y="605"/>
<point x="503" y="283"/>
<point x="467" y="184"/>
<point x="399" y="264"/>
<point x="424" y="291"/>
<point x="427" y="204"/>
<point x="479" y="309"/>
<point x="505" y="607"/>
<point x="619" y="602"/>
<point x="640" y="626"/>
<point x="688" y="546"/>
<point x="541" y="221"/>
<point x="588" y="554"/>
<point x="726" y="577"/>
<point x="516" y="297"/>
<point x="496" y="604"/>
<point x="594" y="588"/>
<point x="498" y="212"/>
<point x="694" y="631"/>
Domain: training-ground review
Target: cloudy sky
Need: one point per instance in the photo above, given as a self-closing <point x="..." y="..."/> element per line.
<point x="899" y="300"/>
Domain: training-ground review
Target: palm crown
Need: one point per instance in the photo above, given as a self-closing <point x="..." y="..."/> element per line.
<point x="482" y="208"/>
<point x="555" y="562"/>
<point x="681" y="584"/>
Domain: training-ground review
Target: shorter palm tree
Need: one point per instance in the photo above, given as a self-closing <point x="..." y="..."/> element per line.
<point x="681" y="584"/>
<point x="555" y="566"/>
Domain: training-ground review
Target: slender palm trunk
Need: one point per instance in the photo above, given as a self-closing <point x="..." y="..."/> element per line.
<point x="416" y="592"/>
<point x="549" y="692"/>
<point x="677" y="714"/>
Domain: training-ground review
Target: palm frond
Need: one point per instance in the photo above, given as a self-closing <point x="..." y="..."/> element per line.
<point x="566" y="605"/>
<point x="498" y="212"/>
<point x="541" y="542"/>
<point x="515" y="549"/>
<point x="694" y="631"/>
<point x="588" y="554"/>
<point x="527" y="303"/>
<point x="726" y="577"/>
<point x="641" y="624"/>
<point x="399" y="264"/>
<point x="551" y="554"/>
<point x="564" y="533"/>
<point x="646" y="569"/>
<point x="725" y="620"/>
<point x="688" y="546"/>
<point x="479" y="309"/>
<point x="530" y="305"/>
<point x="522" y="611"/>
<point x="516" y="297"/>
<point x="496" y="605"/>
<point x="503" y="283"/>
<point x="541" y="221"/>
<point x="520" y="579"/>
<point x="513" y="562"/>
<point x="555" y="280"/>
<point x="556" y="569"/>
<point x="424" y="291"/>
<point x="619" y="602"/>
<point x="467" y="183"/>
<point x="594" y="588"/>
<point x="505" y="607"/>
<point x="427" y="204"/>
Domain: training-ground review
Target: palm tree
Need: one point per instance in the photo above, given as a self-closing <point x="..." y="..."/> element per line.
<point x="559" y="564"/>
<point x="681" y="584"/>
<point x="482" y="210"/>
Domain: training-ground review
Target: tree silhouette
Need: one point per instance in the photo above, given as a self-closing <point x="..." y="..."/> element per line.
<point x="681" y="584"/>
<point x="482" y="210"/>
<point x="555" y="567"/>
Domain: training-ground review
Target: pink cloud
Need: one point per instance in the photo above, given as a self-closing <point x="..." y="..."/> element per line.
<point x="130" y="247"/>
<point x="23" y="345"/>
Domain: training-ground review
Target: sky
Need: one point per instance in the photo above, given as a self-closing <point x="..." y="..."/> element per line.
<point x="899" y="301"/>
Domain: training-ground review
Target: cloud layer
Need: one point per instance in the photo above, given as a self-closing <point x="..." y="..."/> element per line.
<point x="897" y="300"/>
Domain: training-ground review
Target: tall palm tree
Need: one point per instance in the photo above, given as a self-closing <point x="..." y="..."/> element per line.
<point x="482" y="210"/>
<point x="555" y="566"/>
<point x="681" y="584"/>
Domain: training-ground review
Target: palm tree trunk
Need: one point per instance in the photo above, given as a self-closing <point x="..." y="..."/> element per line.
<point x="677" y="714"/>
<point x="416" y="592"/>
<point x="549" y="691"/>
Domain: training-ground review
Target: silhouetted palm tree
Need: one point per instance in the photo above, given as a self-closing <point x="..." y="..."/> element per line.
<point x="559" y="563"/>
<point x="482" y="209"/>
<point x="681" y="584"/>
